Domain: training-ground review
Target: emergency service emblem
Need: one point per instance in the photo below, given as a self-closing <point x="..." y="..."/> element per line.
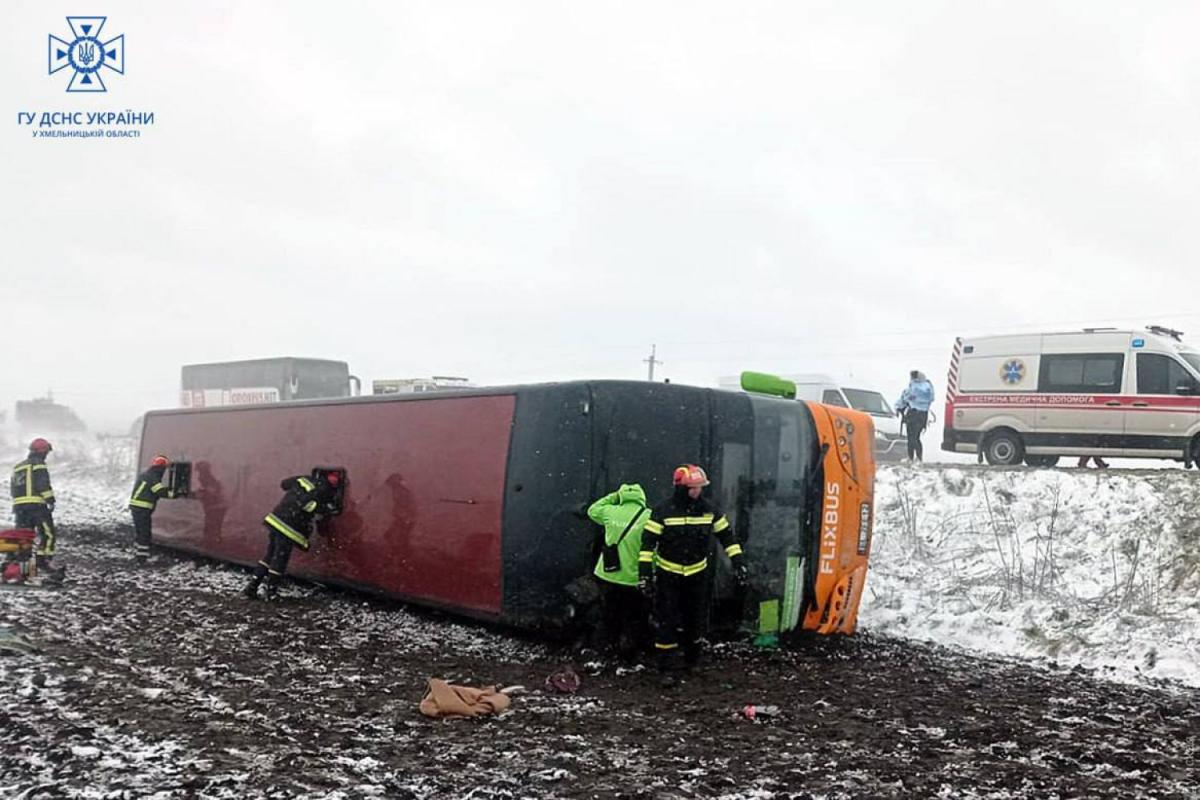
<point x="1012" y="371"/>
<point x="86" y="54"/>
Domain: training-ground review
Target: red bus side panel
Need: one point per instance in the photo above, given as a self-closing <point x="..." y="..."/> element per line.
<point x="423" y="504"/>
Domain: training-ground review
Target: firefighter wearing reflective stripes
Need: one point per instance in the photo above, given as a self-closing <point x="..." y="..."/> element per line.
<point x="290" y="525"/>
<point x="675" y="547"/>
<point x="148" y="489"/>
<point x="33" y="499"/>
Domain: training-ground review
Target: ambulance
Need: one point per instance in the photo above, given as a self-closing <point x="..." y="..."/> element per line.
<point x="1034" y="398"/>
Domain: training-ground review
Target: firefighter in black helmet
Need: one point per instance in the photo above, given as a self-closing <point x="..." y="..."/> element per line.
<point x="148" y="489"/>
<point x="674" y="554"/>
<point x="33" y="501"/>
<point x="290" y="525"/>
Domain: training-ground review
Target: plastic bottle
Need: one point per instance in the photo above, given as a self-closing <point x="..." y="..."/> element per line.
<point x="754" y="711"/>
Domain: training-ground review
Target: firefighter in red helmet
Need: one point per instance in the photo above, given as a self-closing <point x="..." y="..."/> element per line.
<point x="33" y="501"/>
<point x="148" y="489"/>
<point x="290" y="525"/>
<point x="673" y="567"/>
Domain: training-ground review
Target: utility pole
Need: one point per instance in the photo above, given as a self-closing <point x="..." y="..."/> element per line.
<point x="651" y="361"/>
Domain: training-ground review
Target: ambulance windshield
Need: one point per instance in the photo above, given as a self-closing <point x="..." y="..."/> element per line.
<point x="868" y="402"/>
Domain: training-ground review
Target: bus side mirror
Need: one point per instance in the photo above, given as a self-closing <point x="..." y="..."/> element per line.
<point x="339" y="493"/>
<point x="179" y="478"/>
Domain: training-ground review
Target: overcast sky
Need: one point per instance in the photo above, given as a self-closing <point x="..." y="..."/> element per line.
<point x="538" y="191"/>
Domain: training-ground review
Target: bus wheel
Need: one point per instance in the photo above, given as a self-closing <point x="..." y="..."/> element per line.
<point x="1004" y="448"/>
<point x="1041" y="461"/>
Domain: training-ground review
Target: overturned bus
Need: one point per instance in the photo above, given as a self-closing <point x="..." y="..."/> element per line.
<point x="471" y="501"/>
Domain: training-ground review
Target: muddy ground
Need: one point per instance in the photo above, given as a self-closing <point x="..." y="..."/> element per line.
<point x="162" y="682"/>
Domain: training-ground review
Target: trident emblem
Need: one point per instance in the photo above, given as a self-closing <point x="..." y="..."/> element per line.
<point x="86" y="54"/>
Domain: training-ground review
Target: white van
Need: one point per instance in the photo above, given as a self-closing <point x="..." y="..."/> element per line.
<point x="889" y="441"/>
<point x="1097" y="392"/>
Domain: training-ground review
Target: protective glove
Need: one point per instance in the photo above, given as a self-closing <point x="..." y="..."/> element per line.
<point x="646" y="586"/>
<point x="741" y="576"/>
<point x="50" y="506"/>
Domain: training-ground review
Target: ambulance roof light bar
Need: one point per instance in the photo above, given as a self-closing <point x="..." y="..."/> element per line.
<point x="1164" y="331"/>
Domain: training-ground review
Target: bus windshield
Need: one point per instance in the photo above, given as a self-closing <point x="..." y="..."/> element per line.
<point x="868" y="402"/>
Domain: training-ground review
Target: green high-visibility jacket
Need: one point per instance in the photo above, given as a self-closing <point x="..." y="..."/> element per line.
<point x="614" y="511"/>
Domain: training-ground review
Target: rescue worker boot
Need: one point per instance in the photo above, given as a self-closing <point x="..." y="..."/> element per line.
<point x="50" y="572"/>
<point x="251" y="590"/>
<point x="272" y="593"/>
<point x="668" y="668"/>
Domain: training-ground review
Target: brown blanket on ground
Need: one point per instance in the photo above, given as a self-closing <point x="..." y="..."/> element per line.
<point x="445" y="701"/>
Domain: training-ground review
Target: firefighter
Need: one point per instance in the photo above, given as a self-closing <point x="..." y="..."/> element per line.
<point x="33" y="501"/>
<point x="148" y="489"/>
<point x="290" y="525"/>
<point x="673" y="567"/>
<point x="623" y="514"/>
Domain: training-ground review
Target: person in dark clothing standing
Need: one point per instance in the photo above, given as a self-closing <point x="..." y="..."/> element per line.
<point x="290" y="525"/>
<point x="674" y="555"/>
<point x="33" y="501"/>
<point x="148" y="489"/>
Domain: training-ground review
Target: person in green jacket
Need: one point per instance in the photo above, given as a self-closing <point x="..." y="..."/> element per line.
<point x="623" y="515"/>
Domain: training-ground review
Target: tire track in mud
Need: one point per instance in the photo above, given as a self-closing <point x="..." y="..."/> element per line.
<point x="163" y="680"/>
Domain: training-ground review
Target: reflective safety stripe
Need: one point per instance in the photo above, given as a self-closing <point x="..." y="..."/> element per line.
<point x="141" y="504"/>
<point x="733" y="550"/>
<point x="265" y="564"/>
<point x="646" y="557"/>
<point x="155" y="487"/>
<point x="653" y="527"/>
<point x="704" y="519"/>
<point x="287" y="530"/>
<point x="46" y="547"/>
<point x="659" y="646"/>
<point x="310" y="506"/>
<point x="720" y="525"/>
<point x="29" y="498"/>
<point x="38" y="466"/>
<point x="48" y="494"/>
<point x="306" y="483"/>
<point x="682" y="569"/>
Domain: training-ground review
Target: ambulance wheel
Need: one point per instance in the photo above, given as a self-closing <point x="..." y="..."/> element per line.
<point x="1004" y="449"/>
<point x="1041" y="461"/>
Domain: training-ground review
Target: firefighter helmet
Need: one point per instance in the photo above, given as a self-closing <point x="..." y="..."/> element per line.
<point x="689" y="475"/>
<point x="159" y="461"/>
<point x="40" y="446"/>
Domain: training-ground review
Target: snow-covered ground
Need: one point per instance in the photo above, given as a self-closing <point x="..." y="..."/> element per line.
<point x="162" y="681"/>
<point x="1093" y="567"/>
<point x="1090" y="567"/>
